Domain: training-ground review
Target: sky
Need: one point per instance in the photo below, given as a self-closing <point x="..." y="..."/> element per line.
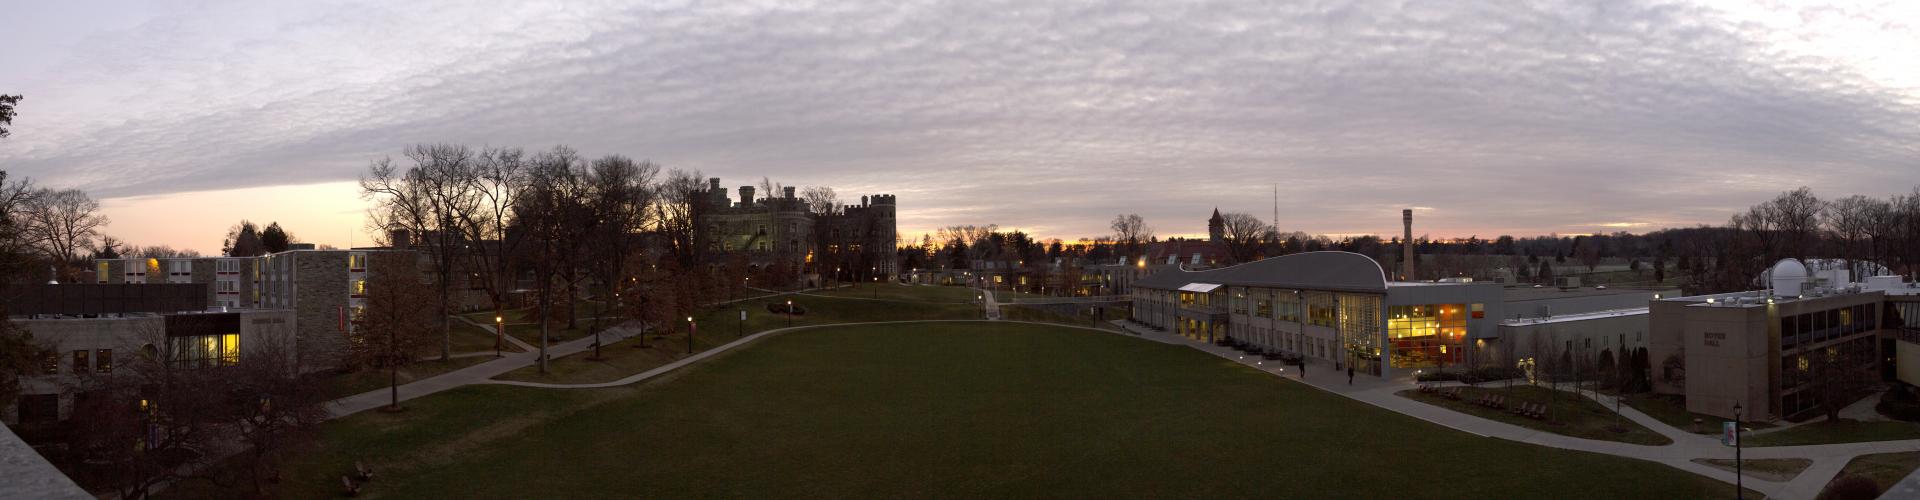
<point x="1488" y="118"/>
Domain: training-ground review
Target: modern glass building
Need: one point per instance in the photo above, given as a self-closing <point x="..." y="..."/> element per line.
<point x="1332" y="306"/>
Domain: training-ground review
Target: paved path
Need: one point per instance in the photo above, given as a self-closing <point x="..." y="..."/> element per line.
<point x="1827" y="459"/>
<point x="470" y="375"/>
<point x="991" y="306"/>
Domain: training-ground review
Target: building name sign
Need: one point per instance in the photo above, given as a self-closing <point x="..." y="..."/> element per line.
<point x="1713" y="339"/>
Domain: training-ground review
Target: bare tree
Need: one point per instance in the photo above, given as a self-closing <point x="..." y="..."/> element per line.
<point x="622" y="194"/>
<point x="156" y="419"/>
<point x="1243" y="235"/>
<point x="674" y="217"/>
<point x="1130" y="230"/>
<point x="426" y="201"/>
<point x="397" y="324"/>
<point x="498" y="180"/>
<point x="278" y="408"/>
<point x="1851" y="221"/>
<point x="63" y="224"/>
<point x="820" y="199"/>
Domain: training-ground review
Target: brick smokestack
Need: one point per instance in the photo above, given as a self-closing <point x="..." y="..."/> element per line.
<point x="1406" y="245"/>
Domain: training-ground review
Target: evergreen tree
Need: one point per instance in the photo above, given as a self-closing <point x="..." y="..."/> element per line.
<point x="275" y="240"/>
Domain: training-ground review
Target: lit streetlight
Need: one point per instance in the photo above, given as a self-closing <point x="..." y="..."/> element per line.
<point x="690" y="328"/>
<point x="499" y="334"/>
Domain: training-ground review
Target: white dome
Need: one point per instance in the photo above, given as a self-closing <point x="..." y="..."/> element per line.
<point x="1788" y="268"/>
<point x="1787" y="277"/>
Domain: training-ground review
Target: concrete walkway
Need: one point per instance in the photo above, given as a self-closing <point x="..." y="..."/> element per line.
<point x="1686" y="446"/>
<point x="991" y="306"/>
<point x="470" y="375"/>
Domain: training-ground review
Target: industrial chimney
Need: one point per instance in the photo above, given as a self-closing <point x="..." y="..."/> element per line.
<point x="1406" y="245"/>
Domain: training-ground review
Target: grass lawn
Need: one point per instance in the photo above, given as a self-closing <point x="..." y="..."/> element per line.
<point x="720" y="326"/>
<point x="1571" y="415"/>
<point x="470" y="338"/>
<point x="1885" y="469"/>
<point x="916" y="293"/>
<point x="1842" y="431"/>
<point x="1044" y="315"/>
<point x="1672" y="409"/>
<point x="351" y="383"/>
<point x="1771" y="469"/>
<point x="947" y="410"/>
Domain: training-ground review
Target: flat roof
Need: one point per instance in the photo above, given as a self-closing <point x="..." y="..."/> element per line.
<point x="1564" y="318"/>
<point x="1527" y="293"/>
<point x="28" y="475"/>
<point x="1340" y="271"/>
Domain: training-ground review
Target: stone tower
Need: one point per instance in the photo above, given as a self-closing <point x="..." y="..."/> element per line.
<point x="1216" y="227"/>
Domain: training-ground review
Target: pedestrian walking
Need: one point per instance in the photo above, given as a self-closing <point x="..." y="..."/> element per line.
<point x="1349" y="374"/>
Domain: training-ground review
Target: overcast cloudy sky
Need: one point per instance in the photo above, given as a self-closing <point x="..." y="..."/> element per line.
<point x="1492" y="117"/>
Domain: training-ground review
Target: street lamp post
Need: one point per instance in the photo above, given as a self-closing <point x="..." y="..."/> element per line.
<point x="741" y="327"/>
<point x="789" y="314"/>
<point x="691" y="326"/>
<point x="499" y="334"/>
<point x="1739" y="489"/>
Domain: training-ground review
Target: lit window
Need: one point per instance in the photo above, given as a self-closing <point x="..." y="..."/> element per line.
<point x="356" y="262"/>
<point x="103" y="361"/>
<point x="100" y="274"/>
<point x="359" y="288"/>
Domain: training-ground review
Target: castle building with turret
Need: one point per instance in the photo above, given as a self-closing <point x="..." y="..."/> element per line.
<point x="857" y="242"/>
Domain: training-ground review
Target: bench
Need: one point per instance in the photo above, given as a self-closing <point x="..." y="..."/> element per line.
<point x="365" y="473"/>
<point x="351" y="489"/>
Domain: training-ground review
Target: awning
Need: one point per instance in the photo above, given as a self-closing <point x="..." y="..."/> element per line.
<point x="1199" y="287"/>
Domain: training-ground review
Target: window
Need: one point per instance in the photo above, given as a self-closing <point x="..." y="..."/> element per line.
<point x="205" y="350"/>
<point x="359" y="288"/>
<point x="179" y="267"/>
<point x="1479" y="311"/>
<point x="1419" y="332"/>
<point x="100" y="272"/>
<point x="357" y="262"/>
<point x="762" y="229"/>
<point x="763" y="246"/>
<point x="227" y="266"/>
<point x="1263" y="308"/>
<point x="103" y="361"/>
<point x="80" y="364"/>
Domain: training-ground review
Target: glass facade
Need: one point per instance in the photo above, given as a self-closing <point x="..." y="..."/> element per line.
<point x="205" y="350"/>
<point x="1359" y="319"/>
<point x="1427" y="335"/>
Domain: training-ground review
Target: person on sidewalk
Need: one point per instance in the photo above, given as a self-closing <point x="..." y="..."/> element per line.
<point x="1349" y="374"/>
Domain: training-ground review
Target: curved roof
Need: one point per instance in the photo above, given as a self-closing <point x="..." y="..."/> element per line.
<point x="1345" y="271"/>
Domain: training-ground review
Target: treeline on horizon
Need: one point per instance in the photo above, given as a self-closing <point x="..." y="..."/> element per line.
<point x="1869" y="234"/>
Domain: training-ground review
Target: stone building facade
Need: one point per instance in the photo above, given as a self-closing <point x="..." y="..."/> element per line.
<point x="853" y="242"/>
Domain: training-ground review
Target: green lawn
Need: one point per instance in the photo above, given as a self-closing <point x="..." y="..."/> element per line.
<point x="470" y="338"/>
<point x="1885" y="469"/>
<point x="916" y="293"/>
<point x="1672" y="409"/>
<point x="1771" y="469"/>
<point x="1843" y="431"/>
<point x="1571" y="414"/>
<point x="723" y="325"/>
<point x="948" y="410"/>
<point x="350" y="383"/>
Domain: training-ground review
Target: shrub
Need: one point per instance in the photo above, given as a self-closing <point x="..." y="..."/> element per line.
<point x="781" y="308"/>
<point x="1899" y="404"/>
<point x="1437" y="376"/>
<point x="1850" y="487"/>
